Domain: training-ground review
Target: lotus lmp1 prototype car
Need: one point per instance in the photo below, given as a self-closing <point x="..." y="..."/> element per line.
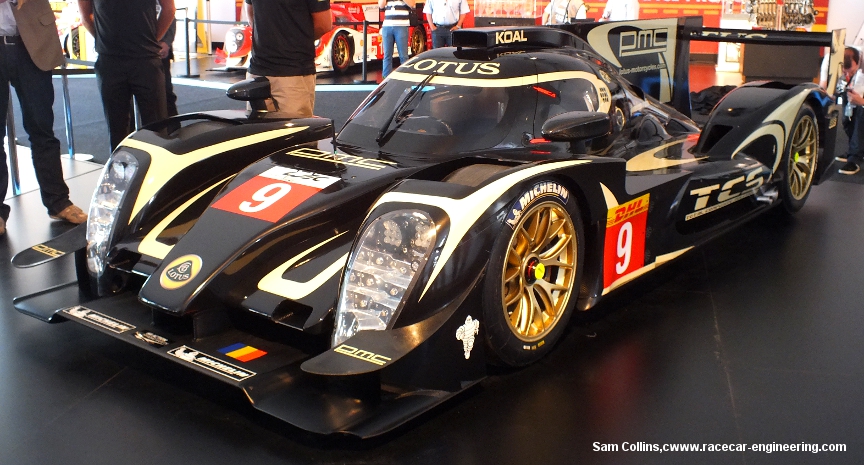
<point x="473" y="202"/>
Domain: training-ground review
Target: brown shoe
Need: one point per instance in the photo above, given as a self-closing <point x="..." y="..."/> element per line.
<point x="71" y="214"/>
<point x="2" y="226"/>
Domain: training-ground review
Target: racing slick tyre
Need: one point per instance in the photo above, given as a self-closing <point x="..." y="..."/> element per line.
<point x="798" y="163"/>
<point x="417" y="41"/>
<point x="340" y="53"/>
<point x="532" y="282"/>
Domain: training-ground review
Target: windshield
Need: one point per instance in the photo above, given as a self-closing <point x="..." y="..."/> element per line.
<point x="438" y="117"/>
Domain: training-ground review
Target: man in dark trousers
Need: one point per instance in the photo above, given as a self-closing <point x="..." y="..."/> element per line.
<point x="283" y="50"/>
<point x="29" y="50"/>
<point x="128" y="35"/>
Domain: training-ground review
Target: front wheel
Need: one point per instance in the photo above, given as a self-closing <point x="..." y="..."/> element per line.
<point x="799" y="160"/>
<point x="533" y="279"/>
<point x="340" y="53"/>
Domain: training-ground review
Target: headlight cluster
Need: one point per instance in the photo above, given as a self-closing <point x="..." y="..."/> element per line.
<point x="116" y="178"/>
<point x="382" y="269"/>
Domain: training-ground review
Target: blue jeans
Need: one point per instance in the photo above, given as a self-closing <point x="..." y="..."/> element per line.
<point x="442" y="37"/>
<point x="35" y="91"/>
<point x="855" y="130"/>
<point x="389" y="34"/>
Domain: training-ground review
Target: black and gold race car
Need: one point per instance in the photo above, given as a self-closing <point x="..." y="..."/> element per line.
<point x="475" y="200"/>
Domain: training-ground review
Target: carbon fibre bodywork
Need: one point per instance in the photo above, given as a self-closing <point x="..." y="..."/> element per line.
<point x="236" y="243"/>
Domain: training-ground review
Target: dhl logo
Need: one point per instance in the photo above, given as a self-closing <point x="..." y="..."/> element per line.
<point x="628" y="210"/>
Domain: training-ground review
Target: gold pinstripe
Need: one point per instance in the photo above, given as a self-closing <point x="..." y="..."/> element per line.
<point x="509" y="82"/>
<point x="464" y="212"/>
<point x="164" y="164"/>
<point x="275" y="284"/>
<point x="150" y="246"/>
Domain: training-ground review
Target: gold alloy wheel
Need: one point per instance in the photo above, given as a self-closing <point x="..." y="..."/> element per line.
<point x="539" y="271"/>
<point x="802" y="157"/>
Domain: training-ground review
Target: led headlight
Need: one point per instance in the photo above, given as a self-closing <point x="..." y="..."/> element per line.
<point x="116" y="178"/>
<point x="382" y="270"/>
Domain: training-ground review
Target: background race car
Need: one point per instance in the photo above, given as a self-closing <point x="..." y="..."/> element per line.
<point x="339" y="48"/>
<point x="473" y="203"/>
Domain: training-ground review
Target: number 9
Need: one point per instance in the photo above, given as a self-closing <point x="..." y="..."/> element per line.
<point x="267" y="196"/>
<point x="625" y="244"/>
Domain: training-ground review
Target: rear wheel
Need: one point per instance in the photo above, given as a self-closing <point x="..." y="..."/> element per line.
<point x="417" y="41"/>
<point x="532" y="282"/>
<point x="340" y="53"/>
<point x="799" y="160"/>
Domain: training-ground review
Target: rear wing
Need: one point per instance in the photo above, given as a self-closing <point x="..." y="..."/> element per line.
<point x="654" y="54"/>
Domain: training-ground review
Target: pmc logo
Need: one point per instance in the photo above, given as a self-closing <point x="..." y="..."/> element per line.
<point x="643" y="42"/>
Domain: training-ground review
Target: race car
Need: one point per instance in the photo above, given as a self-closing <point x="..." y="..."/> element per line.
<point x="471" y="204"/>
<point x="336" y="50"/>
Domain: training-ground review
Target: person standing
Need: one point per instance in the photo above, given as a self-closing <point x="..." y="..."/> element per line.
<point x="444" y="17"/>
<point x="128" y="35"/>
<point x="283" y="50"/>
<point x="564" y="11"/>
<point x="621" y="10"/>
<point x="853" y="121"/>
<point x="29" y="50"/>
<point x="395" y="29"/>
<point x="166" y="53"/>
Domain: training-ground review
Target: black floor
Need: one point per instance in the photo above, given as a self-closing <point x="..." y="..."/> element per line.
<point x="756" y="338"/>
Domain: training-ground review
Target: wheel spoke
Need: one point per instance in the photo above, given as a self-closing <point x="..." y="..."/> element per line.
<point x="557" y="249"/>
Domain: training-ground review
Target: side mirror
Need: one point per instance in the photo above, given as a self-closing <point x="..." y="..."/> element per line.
<point x="255" y="91"/>
<point x="576" y="126"/>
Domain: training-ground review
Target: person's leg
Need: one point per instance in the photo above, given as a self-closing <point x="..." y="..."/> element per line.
<point x="855" y="155"/>
<point x="35" y="91"/>
<point x="448" y="37"/>
<point x="294" y="95"/>
<point x="116" y="98"/>
<point x="4" y="170"/>
<point x="170" y="96"/>
<point x="147" y="82"/>
<point x="439" y="37"/>
<point x="387" y="36"/>
<point x="400" y="35"/>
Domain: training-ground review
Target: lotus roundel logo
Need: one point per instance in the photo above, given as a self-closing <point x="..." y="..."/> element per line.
<point x="180" y="271"/>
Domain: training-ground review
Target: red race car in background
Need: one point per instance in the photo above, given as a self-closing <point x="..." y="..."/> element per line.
<point x="336" y="50"/>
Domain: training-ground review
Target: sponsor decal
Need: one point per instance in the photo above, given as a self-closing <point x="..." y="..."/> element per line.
<point x="99" y="319"/>
<point x="534" y="347"/>
<point x="273" y="193"/>
<point x="644" y="41"/>
<point x="732" y="191"/>
<point x="154" y="340"/>
<point x="542" y="189"/>
<point x="508" y="37"/>
<point x="361" y="354"/>
<point x="180" y="271"/>
<point x="734" y="35"/>
<point x="210" y="363"/>
<point x="42" y="248"/>
<point x="242" y="352"/>
<point x="624" y="249"/>
<point x="467" y="333"/>
<point x="341" y="158"/>
<point x="428" y="65"/>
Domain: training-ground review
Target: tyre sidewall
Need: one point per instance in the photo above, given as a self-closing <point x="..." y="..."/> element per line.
<point x="505" y="347"/>
<point x="790" y="203"/>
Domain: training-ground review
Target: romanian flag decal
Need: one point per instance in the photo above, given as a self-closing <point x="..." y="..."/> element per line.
<point x="242" y="352"/>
